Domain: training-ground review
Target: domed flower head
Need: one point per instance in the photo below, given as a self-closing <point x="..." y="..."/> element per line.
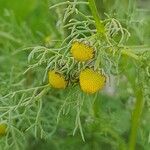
<point x="91" y="81"/>
<point x="82" y="51"/>
<point x="57" y="80"/>
<point x="3" y="129"/>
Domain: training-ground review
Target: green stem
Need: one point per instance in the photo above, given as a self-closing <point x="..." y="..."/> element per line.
<point x="129" y="53"/>
<point x="96" y="106"/>
<point x="136" y="113"/>
<point x="136" y="118"/>
<point x="99" y="25"/>
<point x="100" y="7"/>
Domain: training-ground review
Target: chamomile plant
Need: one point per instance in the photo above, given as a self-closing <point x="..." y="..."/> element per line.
<point x="72" y="75"/>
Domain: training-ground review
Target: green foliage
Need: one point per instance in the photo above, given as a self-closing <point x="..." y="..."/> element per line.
<point x="36" y="36"/>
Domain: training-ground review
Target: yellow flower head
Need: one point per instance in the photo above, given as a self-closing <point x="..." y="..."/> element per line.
<point x="91" y="81"/>
<point x="57" y="80"/>
<point x="82" y="51"/>
<point x="3" y="129"/>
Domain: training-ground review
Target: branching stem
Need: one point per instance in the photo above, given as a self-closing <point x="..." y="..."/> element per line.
<point x="99" y="25"/>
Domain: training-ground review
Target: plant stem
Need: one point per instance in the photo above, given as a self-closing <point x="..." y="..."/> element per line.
<point x="100" y="7"/>
<point x="99" y="25"/>
<point x="96" y="106"/>
<point x="130" y="53"/>
<point x="136" y="118"/>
